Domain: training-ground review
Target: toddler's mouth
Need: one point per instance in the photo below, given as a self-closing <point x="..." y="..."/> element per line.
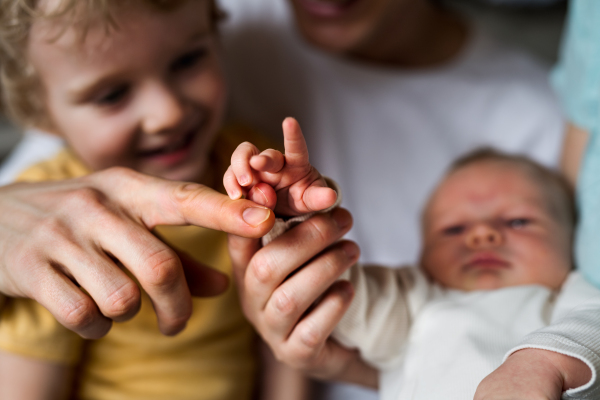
<point x="181" y="143"/>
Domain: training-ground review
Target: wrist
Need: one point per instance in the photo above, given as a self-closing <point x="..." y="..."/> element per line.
<point x="571" y="371"/>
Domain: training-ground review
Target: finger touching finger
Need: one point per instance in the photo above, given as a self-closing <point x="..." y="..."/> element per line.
<point x="154" y="201"/>
<point x="263" y="194"/>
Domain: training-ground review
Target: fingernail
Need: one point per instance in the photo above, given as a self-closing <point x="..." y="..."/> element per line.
<point x="255" y="216"/>
<point x="351" y="250"/>
<point x="343" y="219"/>
<point x="265" y="201"/>
<point x="235" y="194"/>
<point x="244" y="180"/>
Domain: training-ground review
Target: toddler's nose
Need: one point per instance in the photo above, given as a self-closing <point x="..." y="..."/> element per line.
<point x="163" y="110"/>
<point x="482" y="236"/>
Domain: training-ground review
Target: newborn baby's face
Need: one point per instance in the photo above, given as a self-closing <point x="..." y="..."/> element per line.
<point x="487" y="226"/>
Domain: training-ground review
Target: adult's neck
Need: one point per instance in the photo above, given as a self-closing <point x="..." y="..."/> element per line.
<point x="424" y="36"/>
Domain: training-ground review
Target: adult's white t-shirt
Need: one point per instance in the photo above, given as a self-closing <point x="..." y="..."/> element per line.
<point x="378" y="129"/>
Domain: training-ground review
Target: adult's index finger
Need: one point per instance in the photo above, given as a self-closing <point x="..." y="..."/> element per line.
<point x="155" y="201"/>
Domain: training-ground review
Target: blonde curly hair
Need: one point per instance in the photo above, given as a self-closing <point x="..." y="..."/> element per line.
<point x="21" y="96"/>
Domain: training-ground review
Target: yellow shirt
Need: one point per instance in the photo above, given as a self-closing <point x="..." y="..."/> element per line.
<point x="213" y="358"/>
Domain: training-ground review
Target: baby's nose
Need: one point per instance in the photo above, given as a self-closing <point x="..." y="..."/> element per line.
<point x="483" y="235"/>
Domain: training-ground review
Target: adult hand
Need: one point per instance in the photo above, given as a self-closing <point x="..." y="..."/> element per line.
<point x="534" y="374"/>
<point x="56" y="236"/>
<point x="295" y="309"/>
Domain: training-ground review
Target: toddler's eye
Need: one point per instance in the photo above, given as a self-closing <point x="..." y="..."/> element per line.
<point x="454" y="230"/>
<point x="518" y="223"/>
<point x="188" y="60"/>
<point x="113" y="96"/>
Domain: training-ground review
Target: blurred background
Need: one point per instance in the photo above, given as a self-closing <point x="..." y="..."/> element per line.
<point x="534" y="25"/>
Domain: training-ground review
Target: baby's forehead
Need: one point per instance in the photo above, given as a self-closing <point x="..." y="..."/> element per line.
<point x="487" y="181"/>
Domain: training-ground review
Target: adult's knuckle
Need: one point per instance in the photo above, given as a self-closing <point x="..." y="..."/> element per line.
<point x="80" y="314"/>
<point x="261" y="269"/>
<point x="334" y="260"/>
<point x="320" y="230"/>
<point x="84" y="196"/>
<point x="310" y="338"/>
<point x="284" y="305"/>
<point x="51" y="228"/>
<point x="122" y="301"/>
<point x="164" y="268"/>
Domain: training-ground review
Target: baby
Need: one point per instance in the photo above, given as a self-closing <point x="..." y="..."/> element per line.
<point x="495" y="266"/>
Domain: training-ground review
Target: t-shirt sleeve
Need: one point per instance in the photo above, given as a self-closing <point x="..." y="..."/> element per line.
<point x="379" y="318"/>
<point x="574" y="331"/>
<point x="576" y="78"/>
<point x="28" y="329"/>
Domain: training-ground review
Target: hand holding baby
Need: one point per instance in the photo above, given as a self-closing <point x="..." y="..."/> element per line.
<point x="295" y="314"/>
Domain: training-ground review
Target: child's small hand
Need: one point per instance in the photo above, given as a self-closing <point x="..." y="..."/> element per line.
<point x="286" y="183"/>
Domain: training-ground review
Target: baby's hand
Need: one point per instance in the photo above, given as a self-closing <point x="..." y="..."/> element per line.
<point x="286" y="183"/>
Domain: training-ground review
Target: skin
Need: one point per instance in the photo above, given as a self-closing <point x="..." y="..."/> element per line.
<point x="401" y="33"/>
<point x="290" y="185"/>
<point x="286" y="183"/>
<point x="125" y="98"/>
<point x="66" y="230"/>
<point x="285" y="310"/>
<point x="487" y="226"/>
<point x="281" y="306"/>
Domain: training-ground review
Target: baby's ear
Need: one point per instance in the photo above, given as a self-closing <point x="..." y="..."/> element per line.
<point x="263" y="194"/>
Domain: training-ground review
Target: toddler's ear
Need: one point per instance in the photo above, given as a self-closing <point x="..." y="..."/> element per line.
<point x="263" y="194"/>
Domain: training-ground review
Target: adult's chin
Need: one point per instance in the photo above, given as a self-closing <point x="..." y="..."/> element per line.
<point x="334" y="26"/>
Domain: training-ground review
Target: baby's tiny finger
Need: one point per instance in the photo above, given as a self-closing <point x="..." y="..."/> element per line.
<point x="319" y="198"/>
<point x="263" y="194"/>
<point x="234" y="190"/>
<point x="240" y="163"/>
<point x="268" y="161"/>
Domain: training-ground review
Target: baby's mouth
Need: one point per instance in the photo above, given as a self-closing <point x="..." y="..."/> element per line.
<point x="487" y="260"/>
